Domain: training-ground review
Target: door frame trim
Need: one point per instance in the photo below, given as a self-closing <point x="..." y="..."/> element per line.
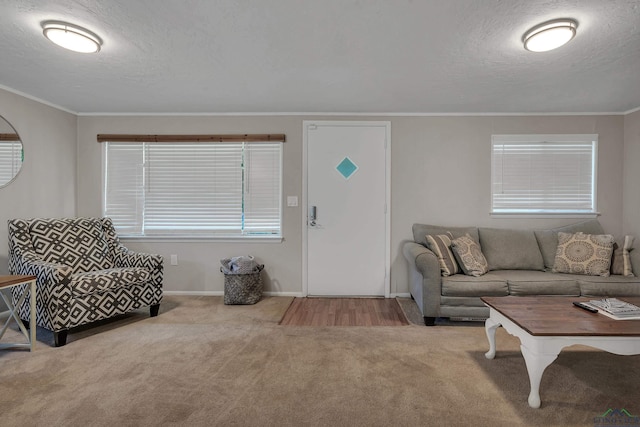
<point x="305" y="205"/>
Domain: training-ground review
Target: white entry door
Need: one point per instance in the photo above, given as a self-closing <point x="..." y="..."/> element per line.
<point x="347" y="215"/>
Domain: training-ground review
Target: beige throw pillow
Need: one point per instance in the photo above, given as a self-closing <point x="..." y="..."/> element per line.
<point x="621" y="261"/>
<point x="580" y="253"/>
<point x="441" y="246"/>
<point x="469" y="256"/>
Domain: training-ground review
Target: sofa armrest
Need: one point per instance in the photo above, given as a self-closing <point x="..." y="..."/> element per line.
<point x="425" y="261"/>
<point x="425" y="278"/>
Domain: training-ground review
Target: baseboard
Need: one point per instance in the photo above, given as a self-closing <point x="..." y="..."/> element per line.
<point x="266" y="293"/>
<point x="283" y="294"/>
<point x="467" y="319"/>
<point x="194" y="293"/>
<point x="221" y="293"/>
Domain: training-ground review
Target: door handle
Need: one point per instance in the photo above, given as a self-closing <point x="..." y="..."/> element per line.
<point x="313" y="212"/>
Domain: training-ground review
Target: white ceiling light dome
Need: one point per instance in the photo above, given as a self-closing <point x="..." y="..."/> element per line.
<point x="72" y="37"/>
<point x="550" y="35"/>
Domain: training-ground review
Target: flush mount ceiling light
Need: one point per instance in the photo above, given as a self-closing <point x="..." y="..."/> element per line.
<point x="550" y="35"/>
<point x="71" y="36"/>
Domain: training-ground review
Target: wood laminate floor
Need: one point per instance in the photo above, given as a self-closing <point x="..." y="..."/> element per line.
<point x="344" y="312"/>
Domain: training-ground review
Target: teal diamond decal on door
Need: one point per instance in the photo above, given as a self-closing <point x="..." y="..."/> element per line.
<point x="347" y="168"/>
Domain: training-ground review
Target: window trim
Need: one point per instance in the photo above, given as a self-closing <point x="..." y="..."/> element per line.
<point x="533" y="138"/>
<point x="174" y="238"/>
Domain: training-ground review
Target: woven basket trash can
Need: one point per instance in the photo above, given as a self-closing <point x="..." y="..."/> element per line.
<point x="243" y="288"/>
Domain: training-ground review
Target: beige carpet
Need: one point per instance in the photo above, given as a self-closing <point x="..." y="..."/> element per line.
<point x="202" y="363"/>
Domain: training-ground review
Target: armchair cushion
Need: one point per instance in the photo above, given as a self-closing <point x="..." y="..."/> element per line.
<point x="103" y="280"/>
<point x="76" y="242"/>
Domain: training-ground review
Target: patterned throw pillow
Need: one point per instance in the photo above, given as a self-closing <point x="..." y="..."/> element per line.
<point x="441" y="246"/>
<point x="620" y="261"/>
<point x="580" y="253"/>
<point x="469" y="255"/>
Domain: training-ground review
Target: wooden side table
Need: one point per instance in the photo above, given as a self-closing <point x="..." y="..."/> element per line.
<point x="7" y="282"/>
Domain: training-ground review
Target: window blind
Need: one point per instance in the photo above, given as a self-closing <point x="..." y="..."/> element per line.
<point x="194" y="189"/>
<point x="262" y="200"/>
<point x="10" y="160"/>
<point x="124" y="187"/>
<point x="544" y="174"/>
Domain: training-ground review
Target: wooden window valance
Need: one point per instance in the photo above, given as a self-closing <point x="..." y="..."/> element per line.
<point x="191" y="138"/>
<point x="11" y="137"/>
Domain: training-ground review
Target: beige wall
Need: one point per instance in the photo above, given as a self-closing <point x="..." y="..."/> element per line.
<point x="631" y="216"/>
<point x="46" y="184"/>
<point x="440" y="174"/>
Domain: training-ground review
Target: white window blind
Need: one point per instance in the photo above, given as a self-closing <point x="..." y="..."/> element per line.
<point x="10" y="160"/>
<point x="194" y="189"/>
<point x="543" y="173"/>
<point x="124" y="186"/>
<point x="261" y="189"/>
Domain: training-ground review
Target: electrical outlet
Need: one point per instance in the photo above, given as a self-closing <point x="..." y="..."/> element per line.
<point x="174" y="259"/>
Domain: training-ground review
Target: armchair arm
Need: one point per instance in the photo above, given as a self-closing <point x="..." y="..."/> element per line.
<point x="53" y="290"/>
<point x="425" y="278"/>
<point x="124" y="257"/>
<point x="127" y="258"/>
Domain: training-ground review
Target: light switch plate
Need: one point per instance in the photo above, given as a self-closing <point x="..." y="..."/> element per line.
<point x="292" y="201"/>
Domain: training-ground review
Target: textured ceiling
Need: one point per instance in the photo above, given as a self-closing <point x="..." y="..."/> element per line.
<point x="337" y="56"/>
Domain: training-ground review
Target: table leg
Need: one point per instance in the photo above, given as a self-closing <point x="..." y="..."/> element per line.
<point x="32" y="315"/>
<point x="14" y="315"/>
<point x="536" y="364"/>
<point x="490" y="327"/>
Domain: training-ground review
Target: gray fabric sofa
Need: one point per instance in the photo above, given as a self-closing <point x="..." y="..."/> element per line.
<point x="520" y="263"/>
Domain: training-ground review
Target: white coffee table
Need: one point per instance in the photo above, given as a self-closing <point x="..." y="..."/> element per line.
<point x="546" y="325"/>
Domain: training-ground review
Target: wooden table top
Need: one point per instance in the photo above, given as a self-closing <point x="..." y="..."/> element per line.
<point x="6" y="281"/>
<point x="557" y="316"/>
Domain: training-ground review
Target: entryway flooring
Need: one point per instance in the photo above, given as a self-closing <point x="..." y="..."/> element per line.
<point x="344" y="312"/>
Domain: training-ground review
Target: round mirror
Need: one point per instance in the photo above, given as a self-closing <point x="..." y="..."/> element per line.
<point x="11" y="153"/>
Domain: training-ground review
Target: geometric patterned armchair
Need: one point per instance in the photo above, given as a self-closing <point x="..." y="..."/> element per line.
<point x="83" y="272"/>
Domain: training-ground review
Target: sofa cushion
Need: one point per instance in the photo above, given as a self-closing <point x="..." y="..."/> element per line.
<point x="106" y="280"/>
<point x="524" y="282"/>
<point x="469" y="256"/>
<point x="609" y="286"/>
<point x="441" y="246"/>
<point x="621" y="259"/>
<point x="507" y="249"/>
<point x="548" y="239"/>
<point x="581" y="253"/>
<point x="76" y="242"/>
<point x="420" y="232"/>
<point x="460" y="285"/>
